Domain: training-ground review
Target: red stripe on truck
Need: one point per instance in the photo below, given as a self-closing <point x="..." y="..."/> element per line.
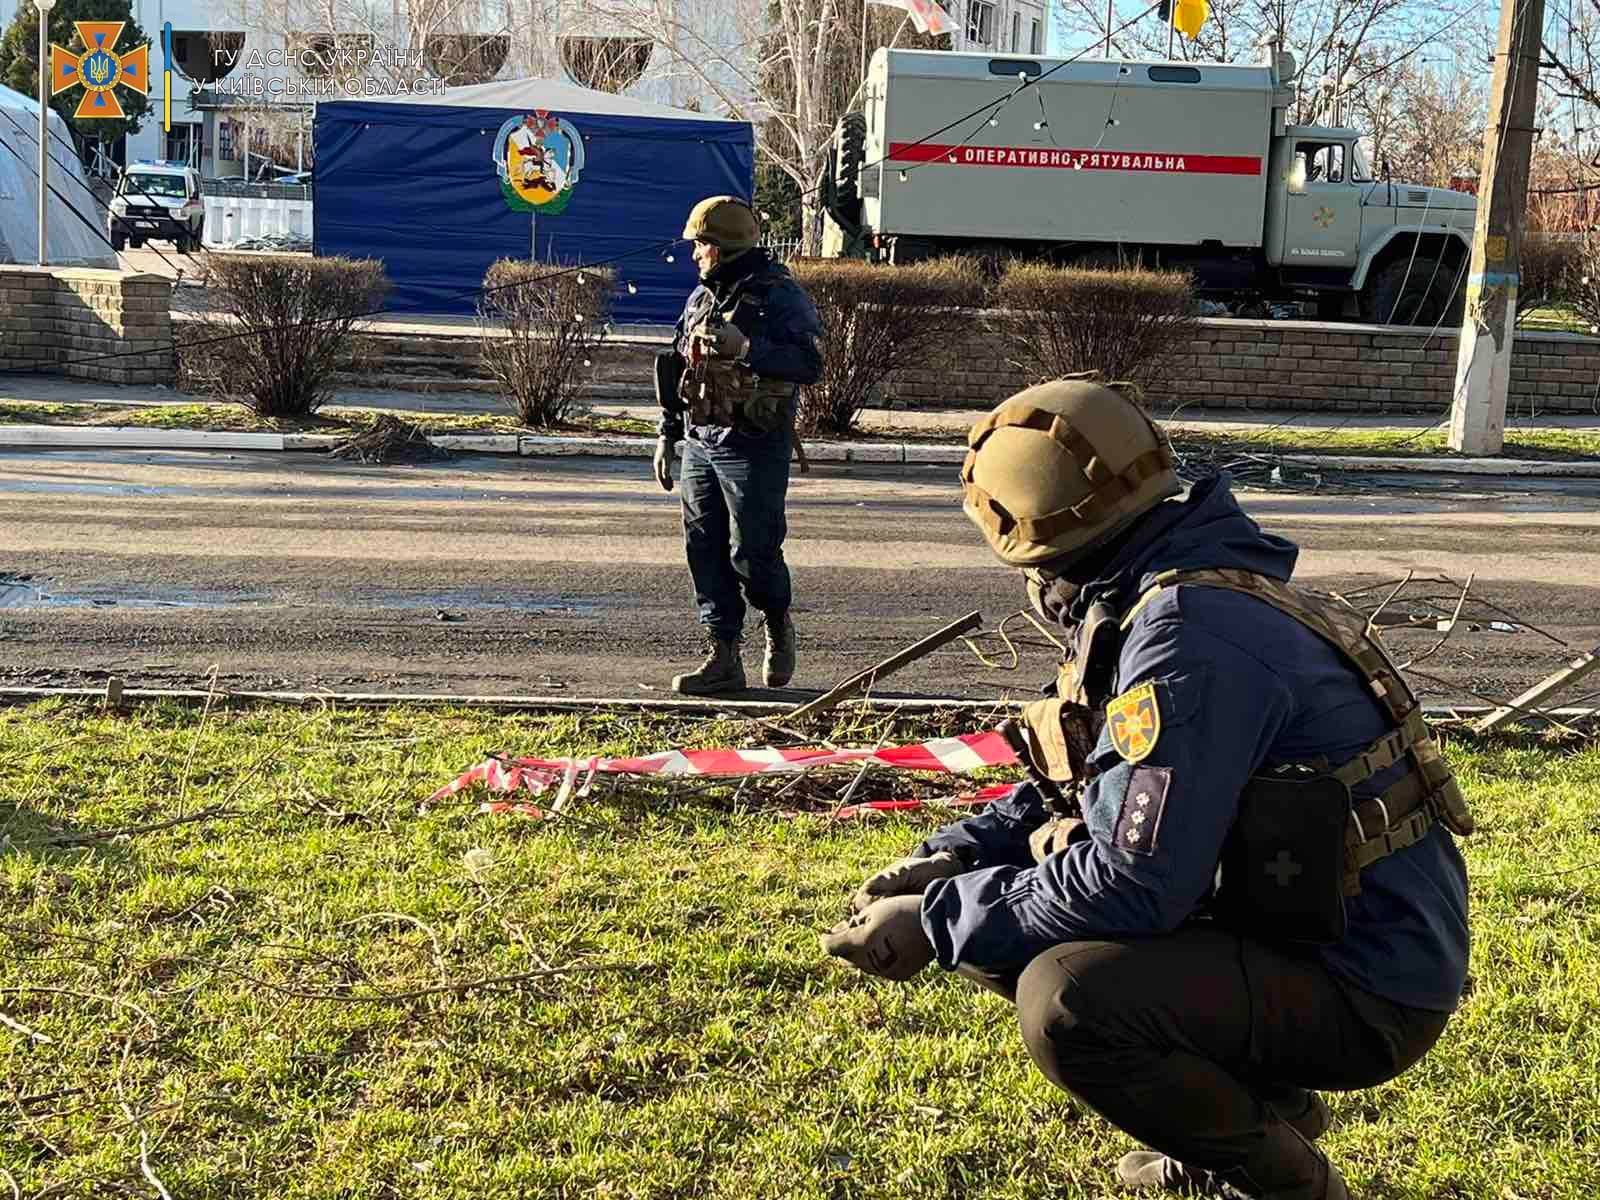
<point x="1079" y="160"/>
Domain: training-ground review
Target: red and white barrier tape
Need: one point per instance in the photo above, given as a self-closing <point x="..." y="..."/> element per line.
<point x="535" y="776"/>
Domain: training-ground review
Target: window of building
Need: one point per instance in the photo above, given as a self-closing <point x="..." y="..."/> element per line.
<point x="1036" y="38"/>
<point x="1016" y="32"/>
<point x="980" y="23"/>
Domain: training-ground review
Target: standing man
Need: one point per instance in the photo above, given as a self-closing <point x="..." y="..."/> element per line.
<point x="1232" y="879"/>
<point x="745" y="342"/>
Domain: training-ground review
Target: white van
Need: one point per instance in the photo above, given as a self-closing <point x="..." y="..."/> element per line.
<point x="157" y="200"/>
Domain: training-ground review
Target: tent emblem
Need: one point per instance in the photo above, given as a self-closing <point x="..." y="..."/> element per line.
<point x="539" y="157"/>
<point x="100" y="69"/>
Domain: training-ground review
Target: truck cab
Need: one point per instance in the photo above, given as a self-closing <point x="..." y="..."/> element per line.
<point x="157" y="200"/>
<point x="1370" y="248"/>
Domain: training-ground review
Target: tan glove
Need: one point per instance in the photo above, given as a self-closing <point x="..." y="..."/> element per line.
<point x="1055" y="836"/>
<point x="884" y="940"/>
<point x="663" y="463"/>
<point x="726" y="341"/>
<point x="906" y="877"/>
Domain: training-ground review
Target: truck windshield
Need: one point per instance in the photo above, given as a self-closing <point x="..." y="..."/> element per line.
<point x="153" y="185"/>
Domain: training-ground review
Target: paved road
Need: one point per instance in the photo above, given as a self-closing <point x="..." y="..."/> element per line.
<point x="484" y="575"/>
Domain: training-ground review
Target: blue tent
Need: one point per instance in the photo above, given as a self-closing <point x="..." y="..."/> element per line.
<point x="440" y="186"/>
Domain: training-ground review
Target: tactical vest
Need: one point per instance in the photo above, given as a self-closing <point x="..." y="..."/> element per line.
<point x="1293" y="895"/>
<point x="716" y="391"/>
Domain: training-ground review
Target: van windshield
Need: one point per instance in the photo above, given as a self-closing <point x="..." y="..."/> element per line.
<point x="140" y="184"/>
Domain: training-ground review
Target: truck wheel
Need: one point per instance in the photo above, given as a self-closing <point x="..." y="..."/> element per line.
<point x="134" y="241"/>
<point x="1408" y="292"/>
<point x="850" y="140"/>
<point x="118" y="241"/>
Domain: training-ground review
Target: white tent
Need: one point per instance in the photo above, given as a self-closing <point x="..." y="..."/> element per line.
<point x="77" y="238"/>
<point x="531" y="94"/>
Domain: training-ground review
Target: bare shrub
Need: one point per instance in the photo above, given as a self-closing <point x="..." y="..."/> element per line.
<point x="1581" y="291"/>
<point x="1549" y="267"/>
<point x="1127" y="324"/>
<point x="276" y="327"/>
<point x="877" y="320"/>
<point x="540" y="323"/>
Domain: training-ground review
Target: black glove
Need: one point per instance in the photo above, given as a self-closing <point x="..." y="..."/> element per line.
<point x="906" y="877"/>
<point x="884" y="939"/>
<point x="663" y="463"/>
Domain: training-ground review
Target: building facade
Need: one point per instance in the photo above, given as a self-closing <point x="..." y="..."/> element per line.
<point x="246" y="74"/>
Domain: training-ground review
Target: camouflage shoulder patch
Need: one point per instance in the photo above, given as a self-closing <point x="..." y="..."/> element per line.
<point x="1134" y="722"/>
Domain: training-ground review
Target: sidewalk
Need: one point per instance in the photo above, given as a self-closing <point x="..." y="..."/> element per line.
<point x="934" y="425"/>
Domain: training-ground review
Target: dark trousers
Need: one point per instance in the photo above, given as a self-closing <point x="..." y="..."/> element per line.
<point x="1199" y="1042"/>
<point x="734" y="525"/>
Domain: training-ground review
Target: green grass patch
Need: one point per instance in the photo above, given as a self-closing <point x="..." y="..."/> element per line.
<point x="201" y="985"/>
<point x="1554" y="444"/>
<point x="1555" y="318"/>
<point x="236" y="418"/>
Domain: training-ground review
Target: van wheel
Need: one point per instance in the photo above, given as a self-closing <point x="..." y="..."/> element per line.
<point x="1408" y="292"/>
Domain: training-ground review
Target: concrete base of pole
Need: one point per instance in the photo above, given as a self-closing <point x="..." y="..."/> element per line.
<point x="1483" y="376"/>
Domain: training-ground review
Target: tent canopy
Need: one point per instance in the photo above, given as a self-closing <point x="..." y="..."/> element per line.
<point x="427" y="183"/>
<point x="75" y="219"/>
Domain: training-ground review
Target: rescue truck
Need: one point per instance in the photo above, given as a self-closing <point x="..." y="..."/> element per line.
<point x="1189" y="166"/>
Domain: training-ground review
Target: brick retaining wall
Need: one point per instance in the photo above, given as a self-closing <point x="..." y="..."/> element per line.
<point x="1297" y="365"/>
<point x="51" y="316"/>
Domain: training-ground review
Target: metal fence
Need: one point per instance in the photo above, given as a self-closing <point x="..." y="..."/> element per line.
<point x="782" y="249"/>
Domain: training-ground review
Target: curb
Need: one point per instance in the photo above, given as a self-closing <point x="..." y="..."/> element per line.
<point x="78" y="437"/>
<point x="68" y="437"/>
<point x="1448" y="466"/>
<point x="1440" y="710"/>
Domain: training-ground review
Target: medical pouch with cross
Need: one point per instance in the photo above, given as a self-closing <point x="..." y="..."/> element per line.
<point x="1281" y="876"/>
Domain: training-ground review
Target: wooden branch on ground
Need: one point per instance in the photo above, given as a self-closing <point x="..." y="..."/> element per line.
<point x="864" y="680"/>
<point x="107" y="835"/>
<point x="1542" y="691"/>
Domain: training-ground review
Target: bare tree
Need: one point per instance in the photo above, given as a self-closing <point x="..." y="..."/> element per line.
<point x="1341" y="46"/>
<point x="791" y="69"/>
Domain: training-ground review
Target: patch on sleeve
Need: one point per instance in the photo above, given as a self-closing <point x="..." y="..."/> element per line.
<point x="1139" y="822"/>
<point x="1134" y="721"/>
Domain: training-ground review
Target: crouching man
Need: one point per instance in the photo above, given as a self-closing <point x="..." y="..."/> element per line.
<point x="1232" y="882"/>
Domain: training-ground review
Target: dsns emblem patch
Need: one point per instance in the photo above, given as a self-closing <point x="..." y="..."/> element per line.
<point x="1134" y="722"/>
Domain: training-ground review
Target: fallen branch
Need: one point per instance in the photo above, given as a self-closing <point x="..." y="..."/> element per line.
<point x="146" y="1170"/>
<point x="440" y="989"/>
<point x="1448" y="629"/>
<point x="864" y="681"/>
<point x="388" y="439"/>
<point x="108" y="835"/>
<point x="18" y="1027"/>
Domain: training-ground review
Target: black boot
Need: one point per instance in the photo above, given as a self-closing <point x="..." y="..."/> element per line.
<point x="721" y="672"/>
<point x="777" y="666"/>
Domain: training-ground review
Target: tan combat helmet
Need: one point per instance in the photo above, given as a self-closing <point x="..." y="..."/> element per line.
<point x="727" y="222"/>
<point x="1060" y="467"/>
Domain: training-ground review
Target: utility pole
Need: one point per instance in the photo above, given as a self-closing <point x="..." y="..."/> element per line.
<point x="44" y="7"/>
<point x="1483" y="361"/>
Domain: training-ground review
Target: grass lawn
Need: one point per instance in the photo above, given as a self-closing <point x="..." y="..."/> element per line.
<point x="209" y="978"/>
<point x="235" y="418"/>
<point x="1293" y="439"/>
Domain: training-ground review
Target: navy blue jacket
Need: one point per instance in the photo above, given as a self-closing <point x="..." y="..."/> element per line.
<point x="1240" y="687"/>
<point x="774" y="312"/>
